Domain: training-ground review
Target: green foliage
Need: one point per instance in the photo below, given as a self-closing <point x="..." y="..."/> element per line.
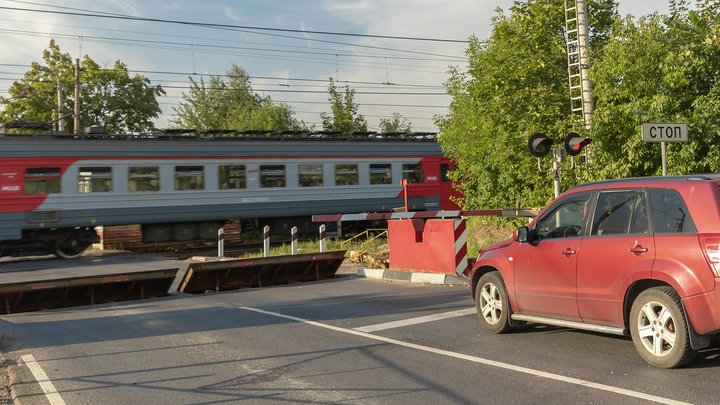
<point x="230" y="103"/>
<point x="311" y="246"/>
<point x="345" y="116"/>
<point x="109" y="97"/>
<point x="482" y="232"/>
<point x="516" y="85"/>
<point x="397" y="123"/>
<point x="659" y="71"/>
<point x="652" y="70"/>
<point x="274" y="116"/>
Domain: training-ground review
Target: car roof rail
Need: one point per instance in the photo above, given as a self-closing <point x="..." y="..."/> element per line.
<point x="690" y="177"/>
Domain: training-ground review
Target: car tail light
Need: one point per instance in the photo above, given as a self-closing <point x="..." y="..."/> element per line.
<point x="712" y="252"/>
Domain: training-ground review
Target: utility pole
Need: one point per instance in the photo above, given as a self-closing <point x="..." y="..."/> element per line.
<point x="578" y="52"/>
<point x="77" y="96"/>
<point x="587" y="88"/>
<point x="58" y="113"/>
<point x="61" y="123"/>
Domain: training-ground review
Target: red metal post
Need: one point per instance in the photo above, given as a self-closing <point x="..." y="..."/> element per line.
<point x="404" y="184"/>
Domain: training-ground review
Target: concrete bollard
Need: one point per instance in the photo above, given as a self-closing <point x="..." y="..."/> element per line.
<point x="266" y="243"/>
<point x="323" y="246"/>
<point x="221" y="243"/>
<point x="293" y="233"/>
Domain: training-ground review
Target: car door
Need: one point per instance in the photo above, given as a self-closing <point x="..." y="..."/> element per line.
<point x="618" y="250"/>
<point x="545" y="268"/>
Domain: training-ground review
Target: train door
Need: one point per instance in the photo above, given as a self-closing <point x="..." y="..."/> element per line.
<point x="446" y="187"/>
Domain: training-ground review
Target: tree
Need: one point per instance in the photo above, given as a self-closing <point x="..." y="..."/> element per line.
<point x="231" y="104"/>
<point x="109" y="97"/>
<point x="274" y="116"/>
<point x="397" y="123"/>
<point x="652" y="70"/>
<point x="516" y="84"/>
<point x="345" y="116"/>
<point x="659" y="70"/>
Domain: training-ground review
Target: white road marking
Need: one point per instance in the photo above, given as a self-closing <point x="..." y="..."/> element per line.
<point x="47" y="386"/>
<point x="492" y="363"/>
<point x="415" y="321"/>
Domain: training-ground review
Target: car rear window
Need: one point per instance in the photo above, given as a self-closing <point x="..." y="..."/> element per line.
<point x="669" y="212"/>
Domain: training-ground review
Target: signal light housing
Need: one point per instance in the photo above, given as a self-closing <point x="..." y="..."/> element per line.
<point x="574" y="143"/>
<point x="539" y="145"/>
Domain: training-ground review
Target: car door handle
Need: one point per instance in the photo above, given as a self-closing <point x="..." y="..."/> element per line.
<point x="638" y="249"/>
<point x="568" y="252"/>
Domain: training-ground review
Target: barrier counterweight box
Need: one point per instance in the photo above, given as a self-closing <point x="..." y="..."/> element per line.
<point x="435" y="245"/>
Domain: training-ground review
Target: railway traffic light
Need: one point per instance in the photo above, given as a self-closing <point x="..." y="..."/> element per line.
<point x="574" y="143"/>
<point x="539" y="145"/>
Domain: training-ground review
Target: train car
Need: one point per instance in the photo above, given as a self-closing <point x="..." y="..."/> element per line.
<point x="54" y="189"/>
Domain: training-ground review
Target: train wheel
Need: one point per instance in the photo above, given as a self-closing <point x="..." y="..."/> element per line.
<point x="70" y="249"/>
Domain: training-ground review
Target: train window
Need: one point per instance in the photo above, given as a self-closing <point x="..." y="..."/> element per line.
<point x="272" y="175"/>
<point x="444" y="169"/>
<point x="413" y="172"/>
<point x="141" y="179"/>
<point x="95" y="180"/>
<point x="346" y="175"/>
<point x="310" y="175"/>
<point x="381" y="174"/>
<point x="189" y="178"/>
<point x="232" y="177"/>
<point x="42" y="180"/>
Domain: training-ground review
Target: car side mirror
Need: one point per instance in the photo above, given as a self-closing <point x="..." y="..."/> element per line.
<point x="520" y="234"/>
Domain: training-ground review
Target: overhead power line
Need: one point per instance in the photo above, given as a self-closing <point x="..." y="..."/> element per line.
<point x="313" y="91"/>
<point x="227" y="47"/>
<point x="215" y="25"/>
<point x="189" y="74"/>
<point x="375" y="93"/>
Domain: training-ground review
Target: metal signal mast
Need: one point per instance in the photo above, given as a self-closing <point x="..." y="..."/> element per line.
<point x="576" y="32"/>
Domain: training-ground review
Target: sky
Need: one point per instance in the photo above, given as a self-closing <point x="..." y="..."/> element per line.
<point x="280" y="43"/>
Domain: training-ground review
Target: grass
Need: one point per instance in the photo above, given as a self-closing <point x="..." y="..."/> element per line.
<point x="480" y="233"/>
<point x="313" y="246"/>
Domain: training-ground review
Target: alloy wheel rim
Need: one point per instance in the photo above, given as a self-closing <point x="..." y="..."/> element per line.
<point x="491" y="303"/>
<point x="656" y="329"/>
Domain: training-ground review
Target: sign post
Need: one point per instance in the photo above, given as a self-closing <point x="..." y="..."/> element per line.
<point x="664" y="133"/>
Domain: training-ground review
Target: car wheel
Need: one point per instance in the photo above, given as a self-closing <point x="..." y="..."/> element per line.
<point x="659" y="330"/>
<point x="492" y="304"/>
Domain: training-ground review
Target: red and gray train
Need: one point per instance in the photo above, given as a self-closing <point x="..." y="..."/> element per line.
<point x="55" y="189"/>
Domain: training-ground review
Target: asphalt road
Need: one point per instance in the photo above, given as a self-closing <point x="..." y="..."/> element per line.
<point x="347" y="340"/>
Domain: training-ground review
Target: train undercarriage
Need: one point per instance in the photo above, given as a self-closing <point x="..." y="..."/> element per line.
<point x="67" y="243"/>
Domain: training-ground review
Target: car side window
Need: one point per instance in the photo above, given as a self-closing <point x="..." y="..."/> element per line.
<point x="669" y="212"/>
<point x="565" y="219"/>
<point x="613" y="213"/>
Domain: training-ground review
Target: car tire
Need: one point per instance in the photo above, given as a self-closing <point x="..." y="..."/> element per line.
<point x="491" y="302"/>
<point x="659" y="329"/>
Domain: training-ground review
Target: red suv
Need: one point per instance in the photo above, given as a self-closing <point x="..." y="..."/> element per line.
<point x="637" y="257"/>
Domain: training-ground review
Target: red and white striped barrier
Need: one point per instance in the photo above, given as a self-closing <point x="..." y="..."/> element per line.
<point x="405" y="215"/>
<point x="461" y="257"/>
